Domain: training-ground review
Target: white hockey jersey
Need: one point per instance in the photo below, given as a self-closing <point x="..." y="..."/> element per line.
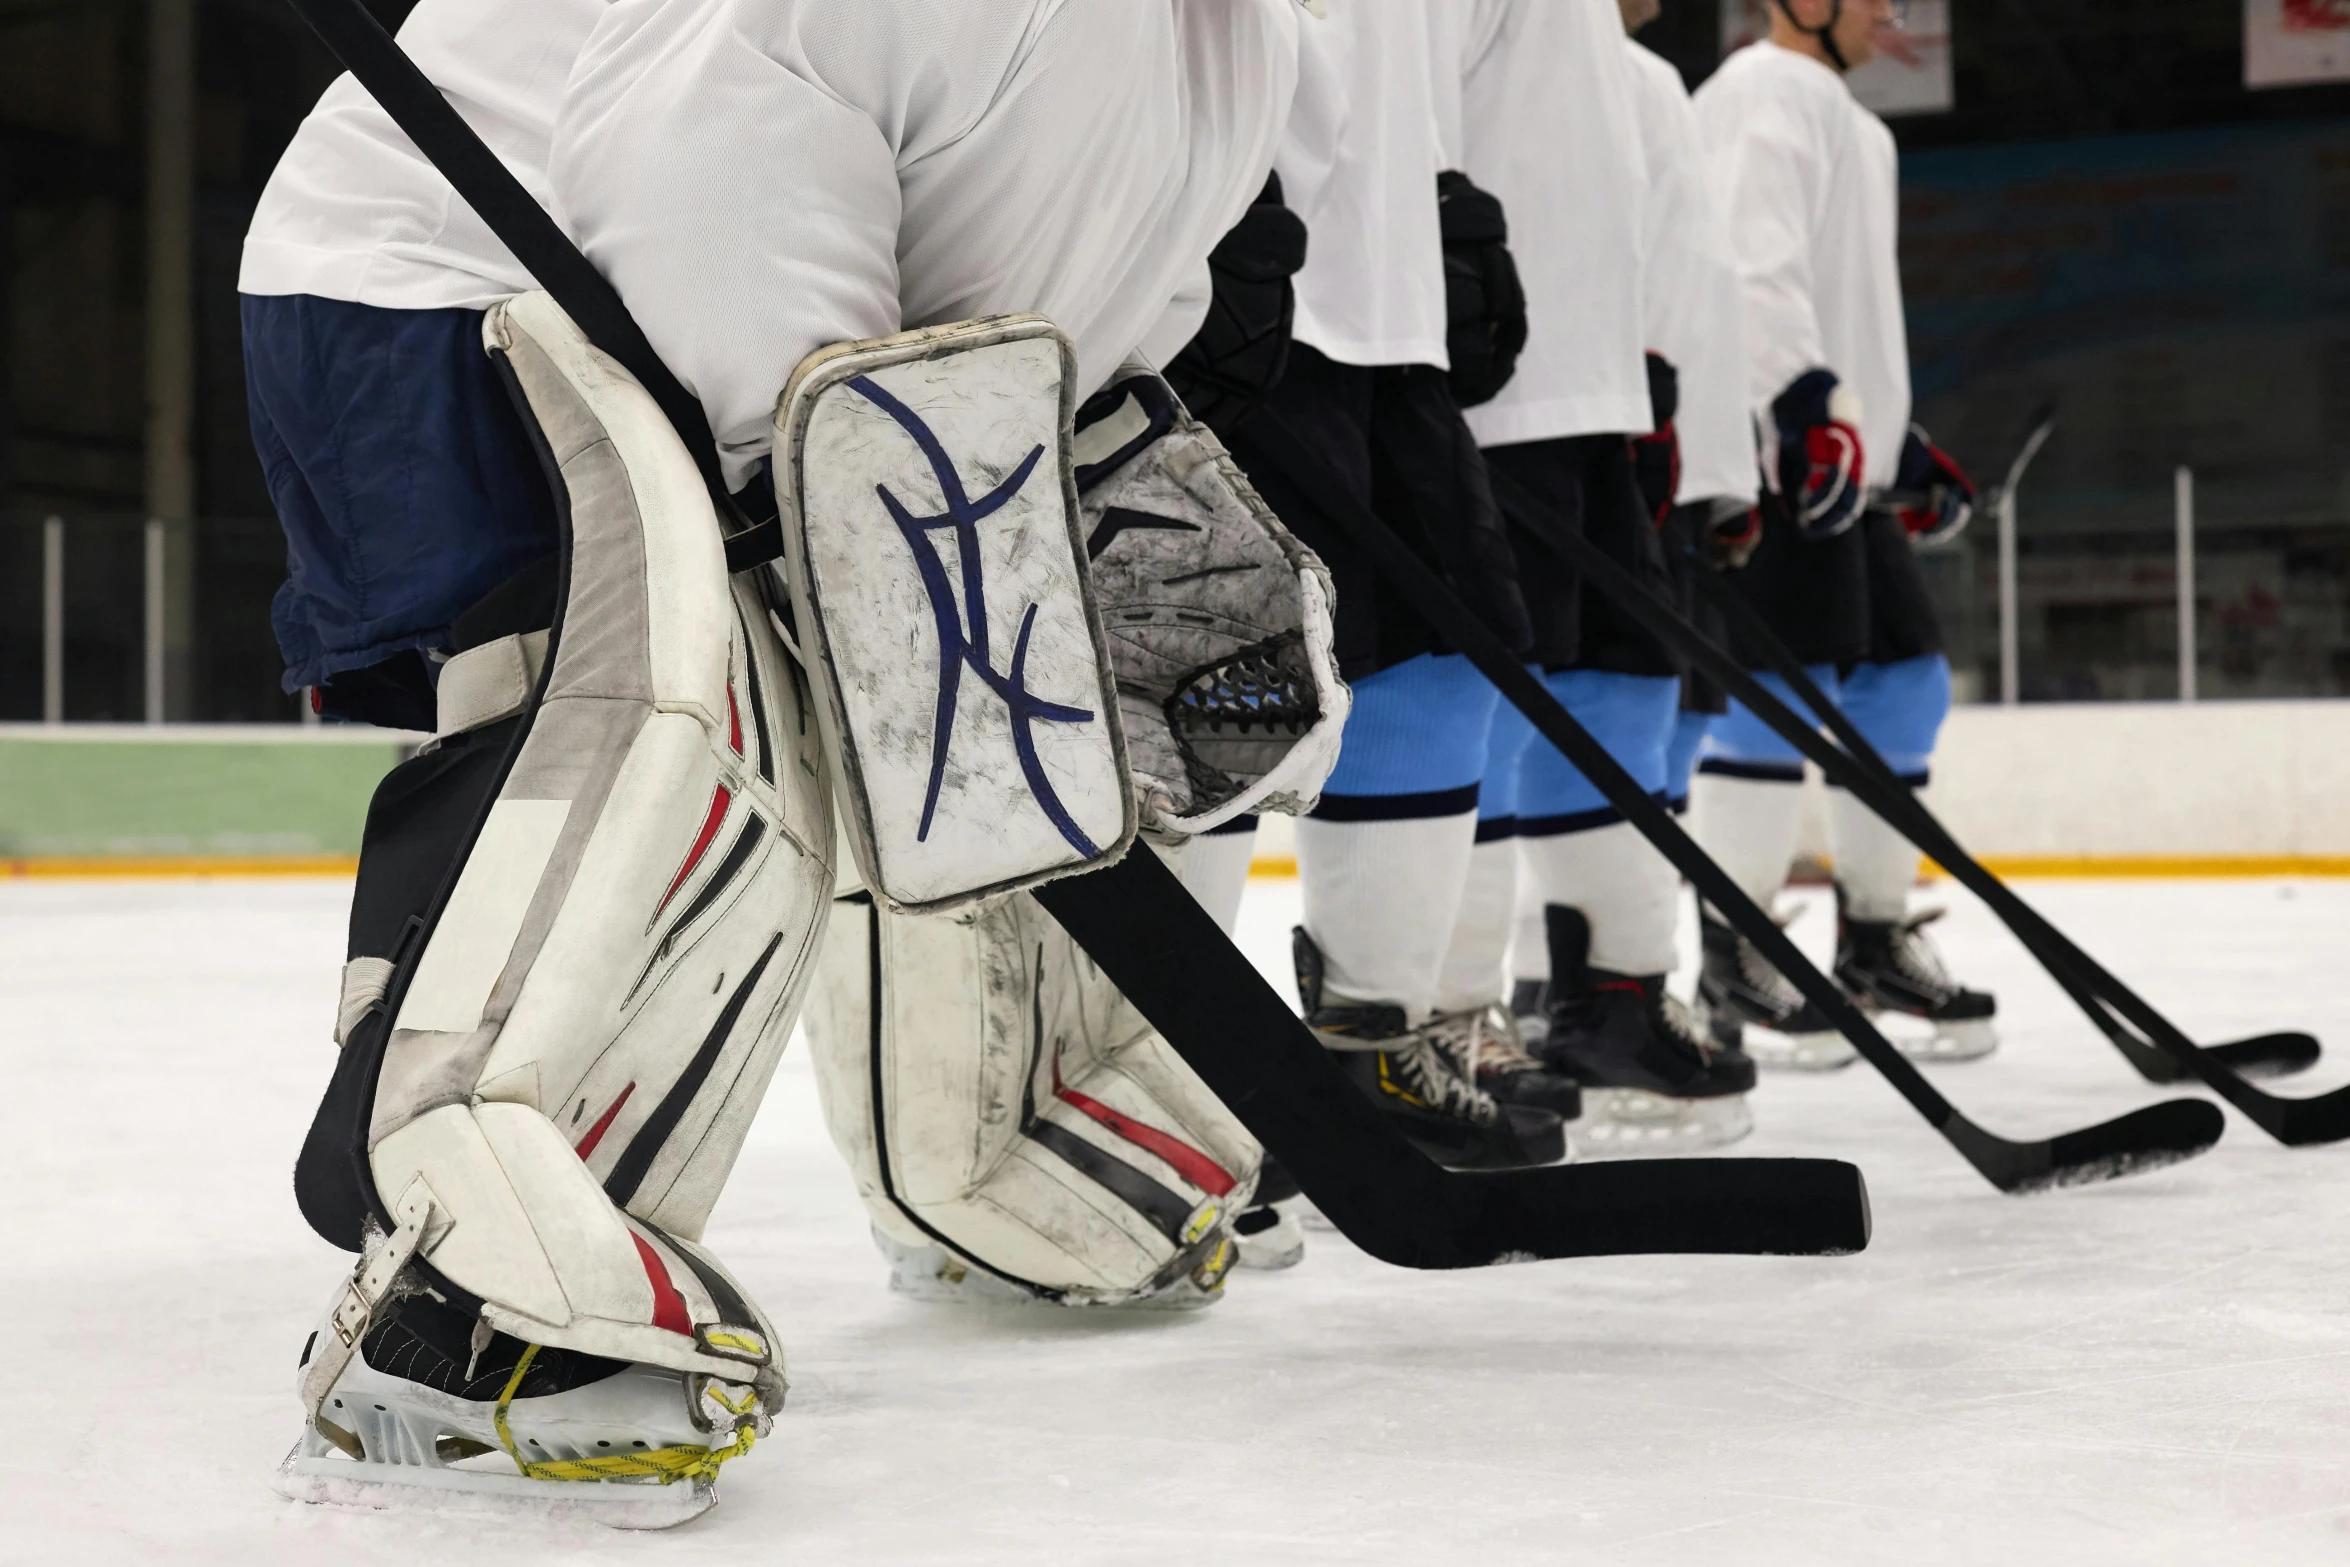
<point x="1690" y="283"/>
<point x="1547" y="126"/>
<point x="1358" y="162"/>
<point x="354" y="212"/>
<point x="760" y="178"/>
<point x="1812" y="186"/>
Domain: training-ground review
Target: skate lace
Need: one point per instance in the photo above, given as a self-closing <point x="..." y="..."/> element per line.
<point x="1680" y="1025"/>
<point x="1427" y="1070"/>
<point x="1499" y="1044"/>
<point x="1776" y="991"/>
<point x="1916" y="959"/>
<point x="668" y="1465"/>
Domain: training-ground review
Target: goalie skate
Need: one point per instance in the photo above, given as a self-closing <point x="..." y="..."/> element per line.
<point x="516" y="1427"/>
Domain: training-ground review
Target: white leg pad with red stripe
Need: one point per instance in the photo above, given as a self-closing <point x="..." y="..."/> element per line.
<point x="998" y="1098"/>
<point x="575" y="1051"/>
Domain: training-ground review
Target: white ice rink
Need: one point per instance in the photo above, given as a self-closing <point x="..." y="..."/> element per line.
<point x="2148" y="1372"/>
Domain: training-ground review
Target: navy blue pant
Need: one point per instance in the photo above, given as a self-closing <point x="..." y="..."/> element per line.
<point x="405" y="480"/>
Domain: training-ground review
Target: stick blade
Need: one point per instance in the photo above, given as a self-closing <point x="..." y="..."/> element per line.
<point x="1649" y="1207"/>
<point x="2269" y="1055"/>
<point x="2147" y="1139"/>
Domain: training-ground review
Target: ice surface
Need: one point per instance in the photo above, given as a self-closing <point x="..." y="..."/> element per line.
<point x="2149" y="1372"/>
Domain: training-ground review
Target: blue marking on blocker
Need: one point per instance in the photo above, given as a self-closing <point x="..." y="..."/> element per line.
<point x="958" y="649"/>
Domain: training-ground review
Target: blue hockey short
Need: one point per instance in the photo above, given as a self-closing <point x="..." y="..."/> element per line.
<point x="1689" y="732"/>
<point x="1630" y="715"/>
<point x="1506" y="744"/>
<point x="1415" y="742"/>
<point x="403" y="476"/>
<point x="1898" y="708"/>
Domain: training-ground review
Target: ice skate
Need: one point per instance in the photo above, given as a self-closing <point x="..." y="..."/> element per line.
<point x="1891" y="966"/>
<point x="1441" y="1112"/>
<point x="438" y="1412"/>
<point x="1651" y="1080"/>
<point x="1267" y="1233"/>
<point x="1483" y="1044"/>
<point x="1750" y="1004"/>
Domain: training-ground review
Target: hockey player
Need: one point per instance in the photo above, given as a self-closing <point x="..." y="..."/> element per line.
<point x="587" y="914"/>
<point x="1369" y="402"/>
<point x="1697" y="471"/>
<point x="1548" y="123"/>
<point x="1809" y="176"/>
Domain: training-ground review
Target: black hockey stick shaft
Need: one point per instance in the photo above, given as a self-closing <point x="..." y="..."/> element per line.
<point x="1151" y="937"/>
<point x="1894" y="799"/>
<point x="1857" y="767"/>
<point x="2158" y="1134"/>
<point x="2297" y="1122"/>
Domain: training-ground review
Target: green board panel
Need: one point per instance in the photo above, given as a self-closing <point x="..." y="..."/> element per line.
<point x="99" y="798"/>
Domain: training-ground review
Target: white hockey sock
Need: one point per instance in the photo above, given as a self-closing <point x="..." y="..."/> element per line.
<point x="1379" y="902"/>
<point x="1530" y="949"/>
<point x="1626" y="889"/>
<point x="1477" y="962"/>
<point x="1875" y="866"/>
<point x="1215" y="871"/>
<point x="1748" y="825"/>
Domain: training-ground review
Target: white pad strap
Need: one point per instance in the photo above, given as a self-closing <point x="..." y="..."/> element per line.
<point x="371" y="1283"/>
<point x="485" y="684"/>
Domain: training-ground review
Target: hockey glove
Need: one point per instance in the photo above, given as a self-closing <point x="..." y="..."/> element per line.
<point x="1820" y="459"/>
<point x="1484" y="306"/>
<point x="1731" y="534"/>
<point x="1937" y="498"/>
<point x="1242" y="347"/>
<point x="1656" y="456"/>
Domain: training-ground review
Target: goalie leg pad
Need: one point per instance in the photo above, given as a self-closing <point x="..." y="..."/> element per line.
<point x="997" y="1099"/>
<point x="585" y="920"/>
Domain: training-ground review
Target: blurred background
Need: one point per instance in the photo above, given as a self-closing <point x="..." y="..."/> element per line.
<point x="2137" y="208"/>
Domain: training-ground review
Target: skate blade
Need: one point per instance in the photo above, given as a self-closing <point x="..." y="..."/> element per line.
<point x="1828" y="1051"/>
<point x="1632" y="1121"/>
<point x="1273" y="1250"/>
<point x="335" y="1481"/>
<point x="1970" y="1040"/>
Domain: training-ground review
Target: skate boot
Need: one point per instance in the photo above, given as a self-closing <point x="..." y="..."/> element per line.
<point x="1437" y="1109"/>
<point x="437" y="1407"/>
<point x="1482" y="1045"/>
<point x="1749" y="1003"/>
<point x="1267" y="1232"/>
<point x="1651" y="1080"/>
<point x="1530" y="1010"/>
<point x="1891" y="966"/>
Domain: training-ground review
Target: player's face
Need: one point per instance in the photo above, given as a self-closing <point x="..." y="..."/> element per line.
<point x="1857" y="27"/>
<point x="1639" y="13"/>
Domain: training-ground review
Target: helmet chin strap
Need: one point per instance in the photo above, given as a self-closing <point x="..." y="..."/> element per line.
<point x="1825" y="34"/>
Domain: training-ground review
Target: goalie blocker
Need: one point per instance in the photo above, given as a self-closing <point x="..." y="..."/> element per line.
<point x="1016" y="1128"/>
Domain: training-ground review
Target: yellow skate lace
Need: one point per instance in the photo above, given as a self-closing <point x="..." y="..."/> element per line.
<point x="684" y="1461"/>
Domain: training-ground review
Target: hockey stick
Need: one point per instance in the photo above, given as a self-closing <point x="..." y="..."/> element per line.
<point x="2263" y="1055"/>
<point x="2143" y="1139"/>
<point x="1151" y="936"/>
<point x="2323" y="1118"/>
<point x="1858" y="769"/>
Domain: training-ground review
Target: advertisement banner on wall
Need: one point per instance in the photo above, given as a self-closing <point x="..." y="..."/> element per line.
<point x="2290" y="41"/>
<point x="1911" y="73"/>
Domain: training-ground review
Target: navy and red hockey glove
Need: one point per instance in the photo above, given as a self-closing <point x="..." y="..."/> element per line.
<point x="1656" y="456"/>
<point x="1731" y="536"/>
<point x="1821" y="464"/>
<point x="1937" y="497"/>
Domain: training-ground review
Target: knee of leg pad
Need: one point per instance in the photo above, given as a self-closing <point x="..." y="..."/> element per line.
<point x="1899" y="709"/>
<point x="997" y="1097"/>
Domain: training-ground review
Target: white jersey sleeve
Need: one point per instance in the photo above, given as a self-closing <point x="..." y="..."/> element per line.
<point x="1690" y="284"/>
<point x="760" y="178"/>
<point x="1547" y="126"/>
<point x="354" y="212"/>
<point x="1810" y="180"/>
<point x="1358" y="163"/>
